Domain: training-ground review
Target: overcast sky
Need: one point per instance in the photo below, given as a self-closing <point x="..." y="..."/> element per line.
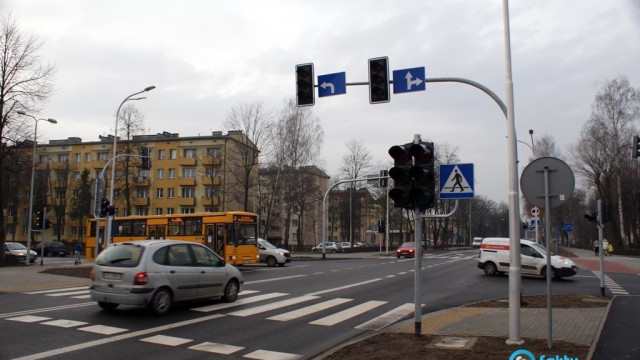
<point x="206" y="56"/>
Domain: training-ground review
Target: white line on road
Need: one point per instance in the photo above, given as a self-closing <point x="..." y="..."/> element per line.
<point x="348" y="313"/>
<point x="273" y="279"/>
<point x="344" y="287"/>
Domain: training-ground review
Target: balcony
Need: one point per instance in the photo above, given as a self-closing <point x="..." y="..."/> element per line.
<point x="207" y="201"/>
<point x="187" y="161"/>
<point x="211" y="161"/>
<point x="208" y="181"/>
<point x="141" y="181"/>
<point x="182" y="181"/>
<point x="187" y="201"/>
<point x="140" y="201"/>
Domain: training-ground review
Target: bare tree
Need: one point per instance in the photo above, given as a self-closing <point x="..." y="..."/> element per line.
<point x="81" y="201"/>
<point x="256" y="123"/>
<point x="601" y="155"/>
<point x="131" y="123"/>
<point x="355" y="164"/>
<point x="24" y="84"/>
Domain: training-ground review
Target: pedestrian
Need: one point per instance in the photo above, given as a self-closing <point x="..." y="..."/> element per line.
<point x="77" y="248"/>
<point x="596" y="247"/>
<point x="605" y="246"/>
<point x="610" y="249"/>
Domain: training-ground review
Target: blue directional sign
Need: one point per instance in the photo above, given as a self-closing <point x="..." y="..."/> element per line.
<point x="567" y="227"/>
<point x="456" y="181"/>
<point x="409" y="80"/>
<point x="332" y="84"/>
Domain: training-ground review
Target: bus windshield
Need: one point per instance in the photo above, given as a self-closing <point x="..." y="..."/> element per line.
<point x="241" y="234"/>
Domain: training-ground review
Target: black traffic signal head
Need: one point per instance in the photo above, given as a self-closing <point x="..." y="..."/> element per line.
<point x="379" y="80"/>
<point x="104" y="207"/>
<point x="423" y="174"/>
<point x="39" y="221"/>
<point x="305" y="92"/>
<point x="400" y="173"/>
<point x="635" y="147"/>
<point x="593" y="217"/>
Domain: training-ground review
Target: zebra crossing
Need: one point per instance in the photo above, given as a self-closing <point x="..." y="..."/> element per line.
<point x="312" y="308"/>
<point x="610" y="284"/>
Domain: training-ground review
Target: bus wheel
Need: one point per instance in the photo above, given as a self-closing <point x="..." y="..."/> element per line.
<point x="230" y="291"/>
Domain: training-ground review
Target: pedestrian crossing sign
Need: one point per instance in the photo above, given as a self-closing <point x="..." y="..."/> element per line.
<point x="456" y="181"/>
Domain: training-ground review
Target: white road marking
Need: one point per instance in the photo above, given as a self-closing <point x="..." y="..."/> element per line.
<point x="166" y="340"/>
<point x="103" y="329"/>
<point x="238" y="302"/>
<point x="387" y="318"/>
<point x="70" y="293"/>
<point x="81" y="297"/>
<point x="34" y="311"/>
<point x="29" y="318"/>
<point x="344" y="287"/>
<point x="216" y="348"/>
<point x="273" y="279"/>
<point x="272" y="306"/>
<point x="64" y="323"/>
<point x="271" y="355"/>
<point x="309" y="309"/>
<point x="58" y="290"/>
<point x="348" y="313"/>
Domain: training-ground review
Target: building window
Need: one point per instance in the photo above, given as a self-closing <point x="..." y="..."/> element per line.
<point x="159" y="193"/>
<point x="145" y="173"/>
<point x="77" y="176"/>
<point x="87" y="157"/>
<point x="213" y="152"/>
<point x="142" y="193"/>
<point x="210" y="192"/>
<point x="77" y="157"/>
<point x="171" y="193"/>
<point x="162" y="154"/>
<point x="158" y="211"/>
<point x="189" y="153"/>
<point x="172" y="173"/>
<point x="188" y="192"/>
<point x="60" y="193"/>
<point x="189" y="172"/>
<point x="142" y="210"/>
<point x="73" y="230"/>
<point x="44" y="158"/>
<point x="61" y="176"/>
<point x="160" y="174"/>
<point x="170" y="211"/>
<point x="173" y="154"/>
<point x="187" y="210"/>
<point x="213" y="171"/>
<point x="63" y="158"/>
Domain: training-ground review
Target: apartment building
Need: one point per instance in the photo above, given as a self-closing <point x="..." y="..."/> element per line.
<point x="162" y="174"/>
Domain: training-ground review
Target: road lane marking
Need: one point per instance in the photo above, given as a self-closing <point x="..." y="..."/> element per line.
<point x="103" y="329"/>
<point x="64" y="323"/>
<point x="89" y="344"/>
<point x="309" y="309"/>
<point x="238" y="302"/>
<point x="272" y="306"/>
<point x="344" y="287"/>
<point x="273" y="279"/>
<point x="348" y="313"/>
<point x="216" y="348"/>
<point x="29" y="318"/>
<point x="54" y="308"/>
<point x="166" y="340"/>
<point x="271" y="355"/>
<point x="57" y="290"/>
<point x="79" y="292"/>
<point x="388" y="318"/>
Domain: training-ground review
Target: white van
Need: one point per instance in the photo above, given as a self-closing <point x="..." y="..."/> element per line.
<point x="494" y="259"/>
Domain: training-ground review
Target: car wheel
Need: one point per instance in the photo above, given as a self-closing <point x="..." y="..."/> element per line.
<point x="107" y="306"/>
<point x="271" y="261"/>
<point x="314" y="250"/>
<point x="230" y="291"/>
<point x="161" y="301"/>
<point x="554" y="273"/>
<point x="490" y="269"/>
<point x="334" y="251"/>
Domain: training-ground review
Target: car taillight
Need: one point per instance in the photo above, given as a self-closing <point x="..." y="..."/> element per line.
<point x="140" y="279"/>
<point x="92" y="274"/>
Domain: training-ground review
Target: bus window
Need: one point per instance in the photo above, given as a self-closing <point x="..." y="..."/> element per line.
<point x="241" y="234"/>
<point x="218" y="241"/>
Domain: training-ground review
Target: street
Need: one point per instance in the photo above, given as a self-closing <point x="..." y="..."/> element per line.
<point x="297" y="311"/>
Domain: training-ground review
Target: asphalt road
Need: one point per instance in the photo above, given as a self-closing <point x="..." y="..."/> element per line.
<point x="293" y="312"/>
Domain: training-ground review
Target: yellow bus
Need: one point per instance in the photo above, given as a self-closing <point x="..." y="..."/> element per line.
<point x="231" y="234"/>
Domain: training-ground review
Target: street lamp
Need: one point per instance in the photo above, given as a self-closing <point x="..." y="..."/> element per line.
<point x="533" y="147"/>
<point x="113" y="166"/>
<point x="33" y="173"/>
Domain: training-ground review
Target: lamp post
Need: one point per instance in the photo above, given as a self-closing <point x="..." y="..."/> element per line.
<point x="33" y="173"/>
<point x="107" y="229"/>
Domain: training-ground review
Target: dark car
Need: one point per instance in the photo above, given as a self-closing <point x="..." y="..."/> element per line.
<point x="407" y="250"/>
<point x="51" y="248"/>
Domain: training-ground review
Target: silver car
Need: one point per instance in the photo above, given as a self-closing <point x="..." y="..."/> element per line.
<point x="157" y="273"/>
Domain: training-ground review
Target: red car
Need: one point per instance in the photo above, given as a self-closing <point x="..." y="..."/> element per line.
<point x="407" y="250"/>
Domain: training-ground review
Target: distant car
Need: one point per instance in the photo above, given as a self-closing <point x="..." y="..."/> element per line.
<point x="272" y="255"/>
<point x="331" y="247"/>
<point x="51" y="248"/>
<point x="408" y="250"/>
<point x="477" y="241"/>
<point x="16" y="252"/>
<point x="157" y="273"/>
<point x="345" y="245"/>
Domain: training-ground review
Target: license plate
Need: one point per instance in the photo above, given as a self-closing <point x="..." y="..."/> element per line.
<point x="111" y="276"/>
<point x="247" y="262"/>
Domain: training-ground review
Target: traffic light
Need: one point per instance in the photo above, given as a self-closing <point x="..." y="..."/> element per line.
<point x="607" y="215"/>
<point x="112" y="210"/>
<point x="379" y="80"/>
<point x="423" y="174"/>
<point x="593" y="217"/>
<point x="635" y="147"/>
<point x="104" y="207"/>
<point x="384" y="181"/>
<point x="305" y="92"/>
<point x="382" y="226"/>
<point x="401" y="175"/>
<point x="38" y="223"/>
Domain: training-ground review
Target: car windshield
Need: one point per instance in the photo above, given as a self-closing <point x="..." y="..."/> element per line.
<point x="120" y="255"/>
<point x="266" y="244"/>
<point x="408" y="244"/>
<point x="541" y="249"/>
<point x="16" y="246"/>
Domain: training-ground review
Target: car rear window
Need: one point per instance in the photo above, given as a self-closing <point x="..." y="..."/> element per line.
<point x="121" y="255"/>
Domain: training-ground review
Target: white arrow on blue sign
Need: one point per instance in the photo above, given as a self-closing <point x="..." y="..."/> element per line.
<point x="332" y="84"/>
<point x="409" y="80"/>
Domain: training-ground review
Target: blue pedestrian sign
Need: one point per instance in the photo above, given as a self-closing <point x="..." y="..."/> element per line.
<point x="409" y="80"/>
<point x="456" y="181"/>
<point x="567" y="227"/>
<point x="332" y="84"/>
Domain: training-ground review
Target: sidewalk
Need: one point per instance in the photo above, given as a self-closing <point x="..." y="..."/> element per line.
<point x="29" y="278"/>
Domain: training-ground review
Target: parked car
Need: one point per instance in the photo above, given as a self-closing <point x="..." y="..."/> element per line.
<point x="331" y="247"/>
<point x="345" y="245"/>
<point x="15" y="252"/>
<point x="494" y="259"/>
<point x="408" y="250"/>
<point x="51" y="248"/>
<point x="477" y="241"/>
<point x="157" y="273"/>
<point x="272" y="255"/>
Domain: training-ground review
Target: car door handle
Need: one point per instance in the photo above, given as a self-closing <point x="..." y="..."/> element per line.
<point x="172" y="272"/>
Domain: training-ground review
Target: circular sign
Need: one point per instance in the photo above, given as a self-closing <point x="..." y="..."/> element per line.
<point x="567" y="227"/>
<point x="535" y="211"/>
<point x="560" y="182"/>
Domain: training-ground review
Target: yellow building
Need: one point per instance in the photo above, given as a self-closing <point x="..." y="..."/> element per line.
<point x="165" y="174"/>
